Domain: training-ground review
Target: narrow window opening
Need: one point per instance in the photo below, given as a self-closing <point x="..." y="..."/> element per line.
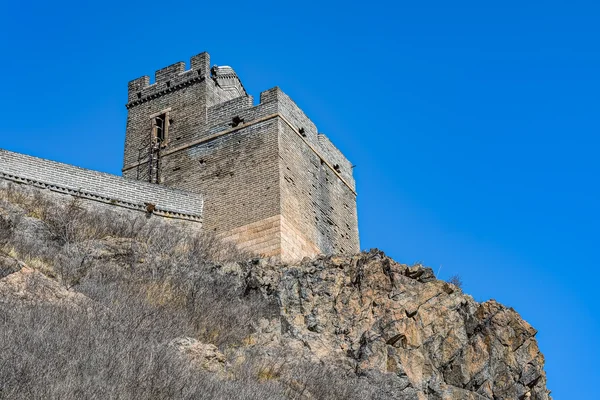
<point x="168" y="84"/>
<point x="159" y="128"/>
<point x="302" y="132"/>
<point x="337" y="168"/>
<point x="139" y="95"/>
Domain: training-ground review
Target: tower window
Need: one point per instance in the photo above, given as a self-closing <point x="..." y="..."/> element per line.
<point x="160" y="128"/>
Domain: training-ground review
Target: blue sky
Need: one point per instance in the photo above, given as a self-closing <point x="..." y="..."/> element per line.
<point x="473" y="126"/>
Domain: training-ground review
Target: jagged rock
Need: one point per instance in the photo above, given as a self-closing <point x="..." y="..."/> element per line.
<point x="392" y="319"/>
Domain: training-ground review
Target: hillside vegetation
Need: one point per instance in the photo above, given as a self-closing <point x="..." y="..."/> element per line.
<point x="103" y="303"/>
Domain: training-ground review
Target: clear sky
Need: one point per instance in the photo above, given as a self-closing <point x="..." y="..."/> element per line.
<point x="473" y="125"/>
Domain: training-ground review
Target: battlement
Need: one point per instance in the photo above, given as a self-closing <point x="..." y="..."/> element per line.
<point x="167" y="73"/>
<point x="175" y="76"/>
<point x="272" y="101"/>
<point x="289" y="110"/>
<point x="168" y="79"/>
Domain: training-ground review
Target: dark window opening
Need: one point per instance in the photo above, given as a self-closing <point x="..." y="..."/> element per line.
<point x="159" y="124"/>
<point x="337" y="168"/>
<point x="302" y="132"/>
<point x="235" y="121"/>
<point x="139" y="95"/>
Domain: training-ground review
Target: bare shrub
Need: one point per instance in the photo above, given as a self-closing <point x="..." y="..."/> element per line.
<point x="15" y="195"/>
<point x="218" y="308"/>
<point x="456" y="281"/>
<point x="72" y="263"/>
<point x="63" y="223"/>
<point x="6" y="230"/>
<point x="72" y="222"/>
<point x="149" y="282"/>
<point x="303" y="379"/>
<point x="54" y="352"/>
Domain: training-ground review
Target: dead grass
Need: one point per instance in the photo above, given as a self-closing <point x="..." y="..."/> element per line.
<point x="156" y="283"/>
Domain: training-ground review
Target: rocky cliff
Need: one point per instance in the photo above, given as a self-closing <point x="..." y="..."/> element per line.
<point x="391" y="322"/>
<point x="115" y="306"/>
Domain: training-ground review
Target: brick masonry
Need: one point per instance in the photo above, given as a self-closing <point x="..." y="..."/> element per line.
<point x="98" y="186"/>
<point x="271" y="182"/>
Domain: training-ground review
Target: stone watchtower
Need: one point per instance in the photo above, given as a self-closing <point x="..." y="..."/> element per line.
<point x="270" y="181"/>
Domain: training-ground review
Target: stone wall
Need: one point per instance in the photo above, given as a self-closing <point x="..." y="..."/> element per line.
<point x="271" y="182"/>
<point x="318" y="209"/>
<point x="100" y="187"/>
<point x="237" y="173"/>
<point x="179" y="94"/>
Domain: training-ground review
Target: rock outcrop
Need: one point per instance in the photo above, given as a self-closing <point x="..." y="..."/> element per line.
<point x="379" y="318"/>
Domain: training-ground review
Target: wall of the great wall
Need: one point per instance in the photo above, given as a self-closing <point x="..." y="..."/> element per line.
<point x="237" y="173"/>
<point x="100" y="187"/>
<point x="236" y="169"/>
<point x="318" y="208"/>
<point x="270" y="181"/>
<point x="181" y="94"/>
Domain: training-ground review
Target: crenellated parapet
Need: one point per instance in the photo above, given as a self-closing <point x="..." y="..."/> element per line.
<point x="168" y="80"/>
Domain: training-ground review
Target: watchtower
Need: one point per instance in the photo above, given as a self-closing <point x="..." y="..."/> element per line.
<point x="270" y="181"/>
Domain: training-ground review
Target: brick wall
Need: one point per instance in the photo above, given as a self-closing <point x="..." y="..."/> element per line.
<point x="237" y="173"/>
<point x="184" y="121"/>
<point x="270" y="181"/>
<point x="99" y="186"/>
<point x="318" y="209"/>
<point x="336" y="159"/>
